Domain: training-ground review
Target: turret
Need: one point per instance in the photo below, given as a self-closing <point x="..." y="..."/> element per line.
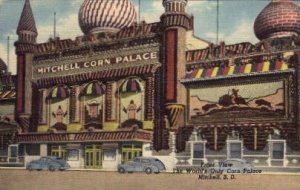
<point x="26" y="29"/>
<point x="175" y="22"/>
<point x="25" y="48"/>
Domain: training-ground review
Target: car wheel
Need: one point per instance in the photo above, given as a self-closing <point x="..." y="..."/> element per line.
<point x="148" y="170"/>
<point x="52" y="168"/>
<point x="30" y="168"/>
<point x="122" y="170"/>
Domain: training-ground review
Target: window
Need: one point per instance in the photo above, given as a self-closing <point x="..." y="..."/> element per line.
<point x="109" y="154"/>
<point x="33" y="150"/>
<point x="235" y="150"/>
<point x="59" y="151"/>
<point x="13" y="151"/>
<point x="73" y="154"/>
<point x="198" y="150"/>
<point x="278" y="151"/>
<point x="1" y="142"/>
<point x="130" y="151"/>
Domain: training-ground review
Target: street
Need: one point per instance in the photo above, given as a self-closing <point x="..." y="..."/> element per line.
<point x="97" y="180"/>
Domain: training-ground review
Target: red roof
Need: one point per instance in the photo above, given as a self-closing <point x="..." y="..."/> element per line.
<point x="95" y="136"/>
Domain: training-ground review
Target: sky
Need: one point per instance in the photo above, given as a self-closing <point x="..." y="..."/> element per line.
<point x="236" y="19"/>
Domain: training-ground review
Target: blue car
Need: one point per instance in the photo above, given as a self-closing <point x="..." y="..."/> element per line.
<point x="50" y="163"/>
<point x="142" y="164"/>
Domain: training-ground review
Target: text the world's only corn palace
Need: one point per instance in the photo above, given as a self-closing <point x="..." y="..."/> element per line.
<point x="125" y="89"/>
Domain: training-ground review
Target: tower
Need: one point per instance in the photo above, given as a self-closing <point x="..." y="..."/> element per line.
<point x="175" y="22"/>
<point x="25" y="48"/>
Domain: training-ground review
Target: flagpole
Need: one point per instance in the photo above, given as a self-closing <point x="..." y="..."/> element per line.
<point x="8" y="40"/>
<point x="54" y="30"/>
<point x="139" y="11"/>
<point x="218" y="10"/>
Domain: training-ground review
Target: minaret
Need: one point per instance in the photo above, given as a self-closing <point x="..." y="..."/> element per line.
<point x="25" y="48"/>
<point x="175" y="22"/>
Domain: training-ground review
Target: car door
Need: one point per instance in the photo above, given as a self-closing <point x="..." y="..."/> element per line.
<point x="43" y="163"/>
<point x="145" y="164"/>
<point x="137" y="164"/>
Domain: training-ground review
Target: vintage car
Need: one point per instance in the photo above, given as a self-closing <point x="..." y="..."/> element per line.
<point x="51" y="163"/>
<point x="142" y="164"/>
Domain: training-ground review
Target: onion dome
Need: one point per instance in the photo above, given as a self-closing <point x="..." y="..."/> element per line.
<point x="106" y="16"/>
<point x="279" y="18"/>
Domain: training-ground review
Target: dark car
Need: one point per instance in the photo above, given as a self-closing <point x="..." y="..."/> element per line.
<point x="51" y="163"/>
<point x="142" y="164"/>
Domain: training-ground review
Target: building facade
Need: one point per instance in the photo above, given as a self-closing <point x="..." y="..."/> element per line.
<point x="125" y="89"/>
<point x="9" y="156"/>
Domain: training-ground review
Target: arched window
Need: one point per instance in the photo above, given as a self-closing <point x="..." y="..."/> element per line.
<point x="92" y="95"/>
<point x="131" y="100"/>
<point x="58" y="99"/>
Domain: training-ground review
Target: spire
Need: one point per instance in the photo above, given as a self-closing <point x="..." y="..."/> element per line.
<point x="27" y="22"/>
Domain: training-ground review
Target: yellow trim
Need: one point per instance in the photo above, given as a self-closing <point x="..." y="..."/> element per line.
<point x="89" y="88"/>
<point x="231" y="70"/>
<point x="42" y="128"/>
<point x="74" y="127"/>
<point x="284" y="66"/>
<point x="54" y="92"/>
<point x="148" y="125"/>
<point x="266" y="66"/>
<point x="199" y="73"/>
<point x="248" y="68"/>
<point x="110" y="126"/>
<point x="215" y="72"/>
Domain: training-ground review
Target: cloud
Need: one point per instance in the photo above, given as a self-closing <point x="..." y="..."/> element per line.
<point x="156" y="9"/>
<point x="2" y="1"/>
<point x="194" y="7"/>
<point x="67" y="27"/>
<point x="152" y="13"/>
<point x="242" y="32"/>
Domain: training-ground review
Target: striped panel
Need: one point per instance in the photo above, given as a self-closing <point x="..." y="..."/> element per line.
<point x="130" y="85"/>
<point x="115" y="14"/>
<point x="265" y="66"/>
<point x="59" y="92"/>
<point x="248" y="68"/>
<point x="231" y="70"/>
<point x="199" y="73"/>
<point x="215" y="72"/>
<point x="284" y="66"/>
<point x="93" y="88"/>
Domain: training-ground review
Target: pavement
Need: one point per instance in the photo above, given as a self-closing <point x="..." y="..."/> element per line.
<point x="20" y="179"/>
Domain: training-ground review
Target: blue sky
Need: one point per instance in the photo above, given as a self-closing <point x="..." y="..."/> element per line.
<point x="236" y="19"/>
